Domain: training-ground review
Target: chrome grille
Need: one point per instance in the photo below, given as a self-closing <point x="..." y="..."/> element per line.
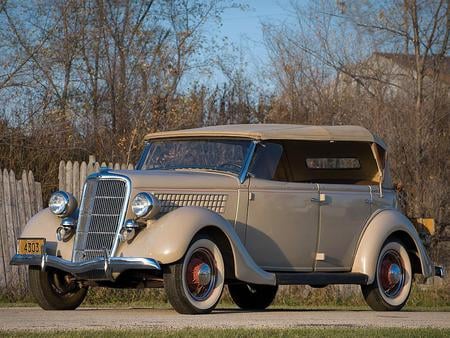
<point x="101" y="215"/>
<point x="213" y="202"/>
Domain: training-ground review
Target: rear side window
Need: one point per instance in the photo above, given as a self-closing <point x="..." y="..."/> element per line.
<point x="343" y="162"/>
<point x="333" y="163"/>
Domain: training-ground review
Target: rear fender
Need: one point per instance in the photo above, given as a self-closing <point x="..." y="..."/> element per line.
<point x="382" y="225"/>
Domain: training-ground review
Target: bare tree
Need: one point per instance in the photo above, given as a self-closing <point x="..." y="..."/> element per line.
<point x="345" y="62"/>
<point x="81" y="77"/>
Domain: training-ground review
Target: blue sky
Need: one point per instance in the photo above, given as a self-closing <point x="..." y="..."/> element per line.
<point x="243" y="29"/>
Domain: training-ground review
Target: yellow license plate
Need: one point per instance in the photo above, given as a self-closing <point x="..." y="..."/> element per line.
<point x="30" y="246"/>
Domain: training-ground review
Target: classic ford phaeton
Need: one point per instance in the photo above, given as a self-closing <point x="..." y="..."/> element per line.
<point x="250" y="206"/>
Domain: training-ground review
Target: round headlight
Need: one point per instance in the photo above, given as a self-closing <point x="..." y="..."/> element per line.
<point x="145" y="205"/>
<point x="62" y="204"/>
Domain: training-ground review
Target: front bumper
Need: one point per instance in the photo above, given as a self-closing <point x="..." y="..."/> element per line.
<point x="107" y="268"/>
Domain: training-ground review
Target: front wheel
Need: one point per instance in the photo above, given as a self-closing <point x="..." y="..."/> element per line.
<point x="194" y="285"/>
<point x="252" y="297"/>
<point x="393" y="279"/>
<point x="54" y="289"/>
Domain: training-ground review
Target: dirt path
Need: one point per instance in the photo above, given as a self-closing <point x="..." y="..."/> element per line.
<point x="87" y="318"/>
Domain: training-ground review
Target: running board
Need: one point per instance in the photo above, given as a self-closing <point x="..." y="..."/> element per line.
<point x="320" y="278"/>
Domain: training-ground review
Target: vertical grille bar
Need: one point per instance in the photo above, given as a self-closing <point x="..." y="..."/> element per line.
<point x="101" y="216"/>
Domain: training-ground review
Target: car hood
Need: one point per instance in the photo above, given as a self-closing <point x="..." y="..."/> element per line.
<point x="174" y="179"/>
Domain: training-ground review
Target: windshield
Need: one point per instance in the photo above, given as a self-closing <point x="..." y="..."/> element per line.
<point x="209" y="154"/>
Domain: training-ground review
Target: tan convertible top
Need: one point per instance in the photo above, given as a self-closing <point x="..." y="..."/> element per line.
<point x="276" y="132"/>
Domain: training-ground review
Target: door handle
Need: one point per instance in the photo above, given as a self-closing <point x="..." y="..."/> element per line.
<point x="322" y="198"/>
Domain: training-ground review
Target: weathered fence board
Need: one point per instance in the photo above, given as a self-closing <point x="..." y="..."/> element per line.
<point x="32" y="183"/>
<point x="19" y="201"/>
<point x="62" y="176"/>
<point x="27" y="196"/>
<point x="76" y="179"/>
<point x="83" y="175"/>
<point x="73" y="174"/>
<point x="38" y="196"/>
<point x="21" y="212"/>
<point x="69" y="177"/>
<point x="9" y="231"/>
<point x="4" y="270"/>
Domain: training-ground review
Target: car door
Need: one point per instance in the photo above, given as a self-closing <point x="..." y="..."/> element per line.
<point x="282" y="224"/>
<point x="344" y="210"/>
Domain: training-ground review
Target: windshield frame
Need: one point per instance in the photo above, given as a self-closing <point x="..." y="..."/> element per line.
<point x="242" y="175"/>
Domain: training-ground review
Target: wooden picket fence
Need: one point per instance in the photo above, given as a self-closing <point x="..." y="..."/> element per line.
<point x="73" y="174"/>
<point x="19" y="201"/>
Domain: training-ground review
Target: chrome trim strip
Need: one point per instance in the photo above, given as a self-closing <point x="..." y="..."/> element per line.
<point x="26" y="260"/>
<point x="248" y="161"/>
<point x="143" y="156"/>
<point x="107" y="264"/>
<point x="75" y="241"/>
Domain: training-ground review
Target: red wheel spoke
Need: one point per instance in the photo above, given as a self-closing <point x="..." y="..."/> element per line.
<point x="391" y="273"/>
<point x="200" y="274"/>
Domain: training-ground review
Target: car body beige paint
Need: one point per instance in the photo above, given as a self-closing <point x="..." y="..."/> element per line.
<point x="165" y="240"/>
<point x="168" y="238"/>
<point x="44" y="225"/>
<point x="342" y="217"/>
<point x="278" y="240"/>
<point x="380" y="226"/>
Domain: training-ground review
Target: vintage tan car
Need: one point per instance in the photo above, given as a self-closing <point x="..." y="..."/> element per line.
<point x="250" y="206"/>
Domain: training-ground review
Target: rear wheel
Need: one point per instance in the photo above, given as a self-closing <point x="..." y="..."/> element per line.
<point x="194" y="285"/>
<point x="54" y="289"/>
<point x="252" y="297"/>
<point x="393" y="279"/>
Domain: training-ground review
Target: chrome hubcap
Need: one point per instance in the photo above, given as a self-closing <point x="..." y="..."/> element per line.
<point x="201" y="274"/>
<point x="204" y="274"/>
<point x="391" y="274"/>
<point x="394" y="274"/>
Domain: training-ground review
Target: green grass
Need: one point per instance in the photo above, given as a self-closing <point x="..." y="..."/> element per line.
<point x="422" y="298"/>
<point x="294" y="332"/>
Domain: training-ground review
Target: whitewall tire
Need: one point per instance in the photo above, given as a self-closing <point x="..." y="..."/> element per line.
<point x="393" y="279"/>
<point x="194" y="285"/>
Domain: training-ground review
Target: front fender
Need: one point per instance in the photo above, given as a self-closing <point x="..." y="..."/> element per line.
<point x="167" y="239"/>
<point x="44" y="225"/>
<point x="380" y="226"/>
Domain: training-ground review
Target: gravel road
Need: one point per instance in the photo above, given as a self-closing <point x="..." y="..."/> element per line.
<point x="90" y="318"/>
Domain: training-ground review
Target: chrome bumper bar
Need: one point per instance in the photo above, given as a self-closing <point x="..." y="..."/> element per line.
<point x="97" y="269"/>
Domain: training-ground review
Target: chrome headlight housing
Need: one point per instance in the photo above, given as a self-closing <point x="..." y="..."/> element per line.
<point x="145" y="205"/>
<point x="62" y="204"/>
